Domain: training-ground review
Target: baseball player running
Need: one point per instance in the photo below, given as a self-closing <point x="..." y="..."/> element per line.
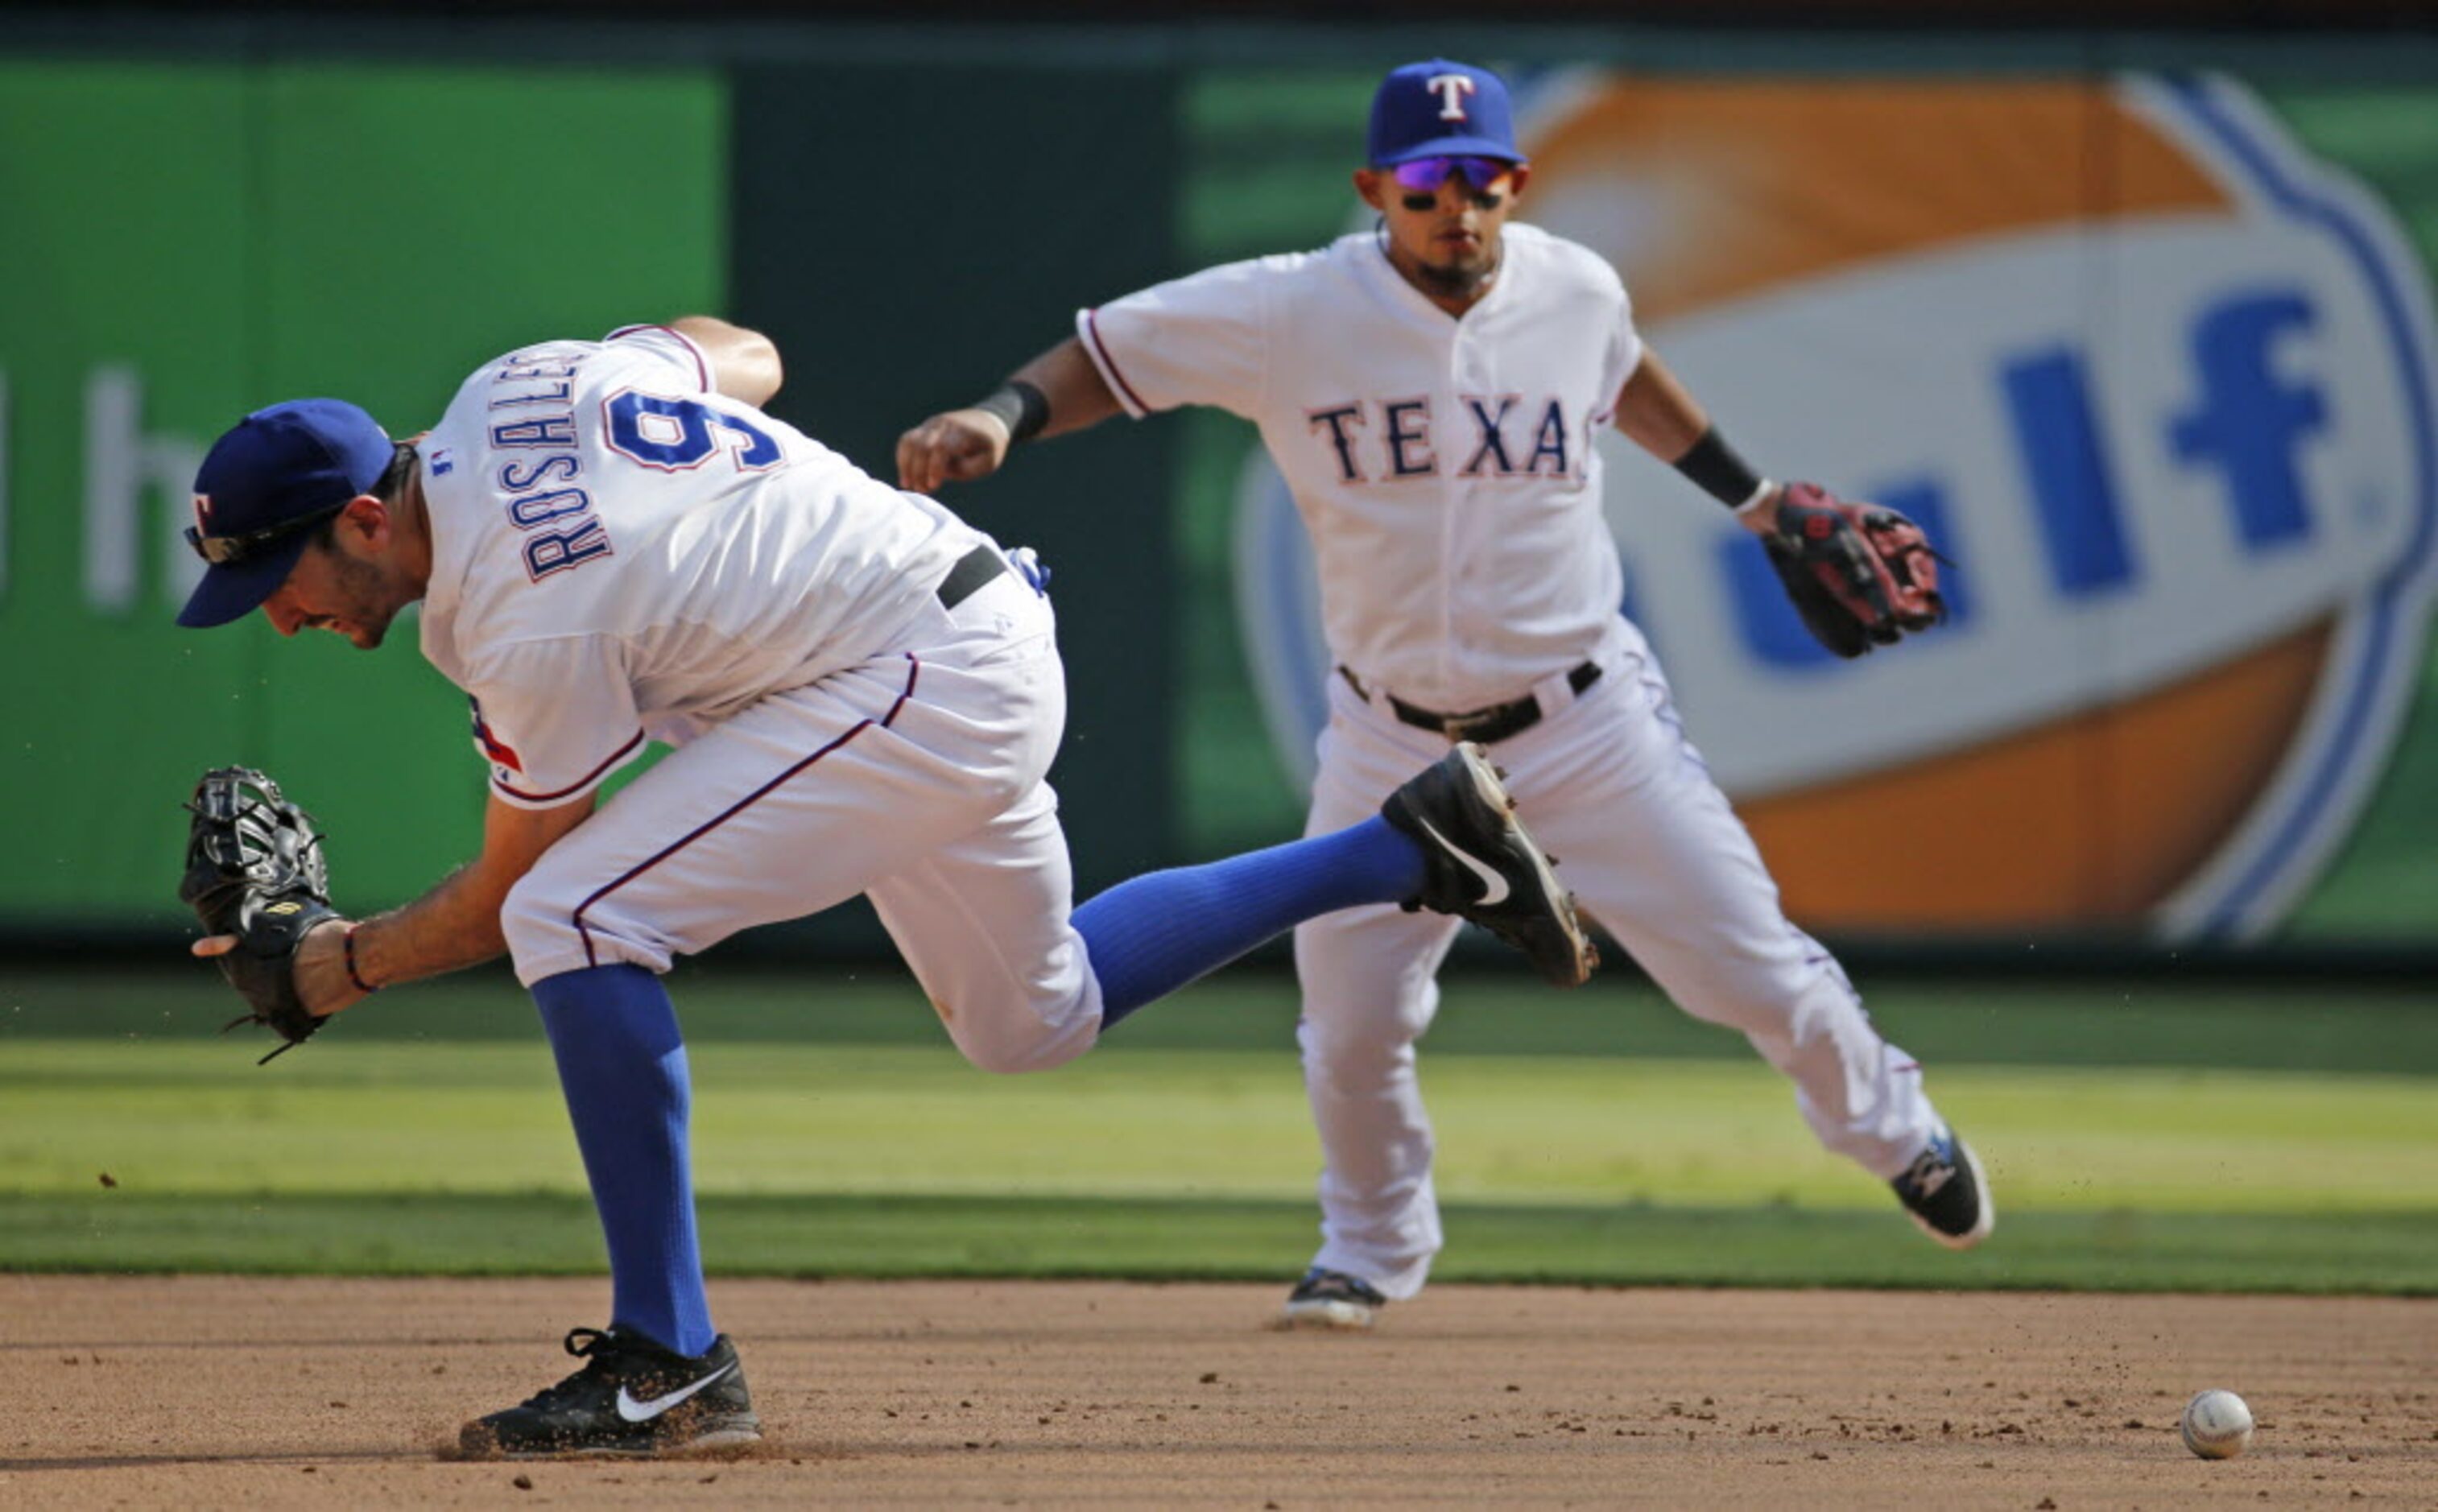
<point x="613" y="543"/>
<point x="1430" y="390"/>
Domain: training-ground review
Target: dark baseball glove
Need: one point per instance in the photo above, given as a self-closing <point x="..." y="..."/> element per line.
<point x="255" y="870"/>
<point x="1859" y="574"/>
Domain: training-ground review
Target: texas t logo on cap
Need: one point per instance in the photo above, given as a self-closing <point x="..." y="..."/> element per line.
<point x="1452" y="90"/>
<point x="1440" y="108"/>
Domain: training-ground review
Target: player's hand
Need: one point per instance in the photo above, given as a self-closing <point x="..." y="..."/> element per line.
<point x="322" y="969"/>
<point x="955" y="447"/>
<point x="1761" y="518"/>
<point x="1858" y="575"/>
<point x="321" y="966"/>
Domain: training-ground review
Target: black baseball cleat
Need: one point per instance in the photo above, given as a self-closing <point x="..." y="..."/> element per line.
<point x="632" y="1398"/>
<point x="1480" y="864"/>
<point x="1946" y="1193"/>
<point x="1332" y="1299"/>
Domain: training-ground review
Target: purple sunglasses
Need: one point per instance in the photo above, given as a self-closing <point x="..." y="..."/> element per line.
<point x="1428" y="173"/>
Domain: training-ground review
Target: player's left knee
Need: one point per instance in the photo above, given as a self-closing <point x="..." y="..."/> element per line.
<point x="539" y="930"/>
<point x="1018" y="1035"/>
<point x="1349" y="1047"/>
<point x="551" y="928"/>
<point x="1010" y="1056"/>
<point x="1010" y="1060"/>
<point x="1376" y="1032"/>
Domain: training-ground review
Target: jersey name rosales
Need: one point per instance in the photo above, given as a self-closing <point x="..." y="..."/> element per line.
<point x="560" y="528"/>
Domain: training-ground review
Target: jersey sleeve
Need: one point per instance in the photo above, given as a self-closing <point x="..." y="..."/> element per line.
<point x="553" y="716"/>
<point x="673" y="346"/>
<point x="1197" y="339"/>
<point x="1624" y="349"/>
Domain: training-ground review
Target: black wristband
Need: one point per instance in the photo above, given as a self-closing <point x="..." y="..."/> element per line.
<point x="1023" y="409"/>
<point x="1715" y="468"/>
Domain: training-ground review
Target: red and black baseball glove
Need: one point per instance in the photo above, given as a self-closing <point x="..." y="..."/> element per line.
<point x="1859" y="574"/>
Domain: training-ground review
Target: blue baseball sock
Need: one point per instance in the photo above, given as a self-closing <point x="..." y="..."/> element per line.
<point x="1153" y="934"/>
<point x="623" y="1066"/>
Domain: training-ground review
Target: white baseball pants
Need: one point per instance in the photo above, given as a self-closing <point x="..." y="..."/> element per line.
<point x="1608" y="782"/>
<point x="916" y="776"/>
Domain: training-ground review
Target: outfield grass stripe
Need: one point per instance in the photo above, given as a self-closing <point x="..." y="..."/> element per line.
<point x="828" y="1235"/>
<point x="2332" y="1026"/>
<point x="780" y="1120"/>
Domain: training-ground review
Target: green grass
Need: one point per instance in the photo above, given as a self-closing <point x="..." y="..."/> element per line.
<point x="2158" y="1021"/>
<point x="553" y="1233"/>
<point x="884" y="1154"/>
<point x="181" y="1118"/>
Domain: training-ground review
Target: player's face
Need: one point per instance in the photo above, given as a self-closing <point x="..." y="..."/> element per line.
<point x="1447" y="236"/>
<point x="333" y="587"/>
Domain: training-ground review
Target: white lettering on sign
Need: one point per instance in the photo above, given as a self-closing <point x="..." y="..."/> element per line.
<point x="120" y="463"/>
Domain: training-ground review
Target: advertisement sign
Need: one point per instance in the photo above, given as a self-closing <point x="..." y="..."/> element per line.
<point x="2156" y="381"/>
<point x="186" y="243"/>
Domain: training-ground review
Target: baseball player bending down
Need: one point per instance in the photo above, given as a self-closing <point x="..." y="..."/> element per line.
<point x="1430" y="390"/>
<point x="613" y="543"/>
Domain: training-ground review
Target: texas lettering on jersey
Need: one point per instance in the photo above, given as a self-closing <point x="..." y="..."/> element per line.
<point x="1444" y="468"/>
<point x="1401" y="438"/>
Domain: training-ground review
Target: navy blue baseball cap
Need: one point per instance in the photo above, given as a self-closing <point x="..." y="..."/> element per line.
<point x="265" y="484"/>
<point x="1440" y="108"/>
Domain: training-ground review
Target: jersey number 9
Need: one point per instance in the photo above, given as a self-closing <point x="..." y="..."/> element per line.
<point x="677" y="435"/>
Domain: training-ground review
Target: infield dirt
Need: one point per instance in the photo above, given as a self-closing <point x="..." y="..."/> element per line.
<point x="265" y="1391"/>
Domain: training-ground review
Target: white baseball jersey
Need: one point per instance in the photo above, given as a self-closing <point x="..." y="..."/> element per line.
<point x="1444" y="466"/>
<point x="619" y="552"/>
<point x="1445" y="470"/>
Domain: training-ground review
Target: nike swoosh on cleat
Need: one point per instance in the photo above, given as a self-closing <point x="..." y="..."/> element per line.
<point x="644" y="1411"/>
<point x="1494" y="886"/>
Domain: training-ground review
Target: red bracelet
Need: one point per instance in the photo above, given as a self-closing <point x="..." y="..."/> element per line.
<point x="354" y="975"/>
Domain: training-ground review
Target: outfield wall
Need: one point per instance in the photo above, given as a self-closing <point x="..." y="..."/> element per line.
<point x="2139" y="327"/>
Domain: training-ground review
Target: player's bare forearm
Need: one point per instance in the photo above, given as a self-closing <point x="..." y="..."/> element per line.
<point x="1659" y="414"/>
<point x="744" y="364"/>
<point x="457" y="924"/>
<point x="1066" y="376"/>
<point x="958" y="446"/>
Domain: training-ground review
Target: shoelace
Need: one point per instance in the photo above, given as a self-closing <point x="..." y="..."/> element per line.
<point x="591" y="1341"/>
<point x="599" y="1352"/>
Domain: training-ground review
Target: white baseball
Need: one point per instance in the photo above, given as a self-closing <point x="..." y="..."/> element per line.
<point x="2218" y="1426"/>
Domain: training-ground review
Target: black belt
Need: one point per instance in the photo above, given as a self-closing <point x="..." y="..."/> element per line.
<point x="973" y="572"/>
<point x="1495" y="723"/>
